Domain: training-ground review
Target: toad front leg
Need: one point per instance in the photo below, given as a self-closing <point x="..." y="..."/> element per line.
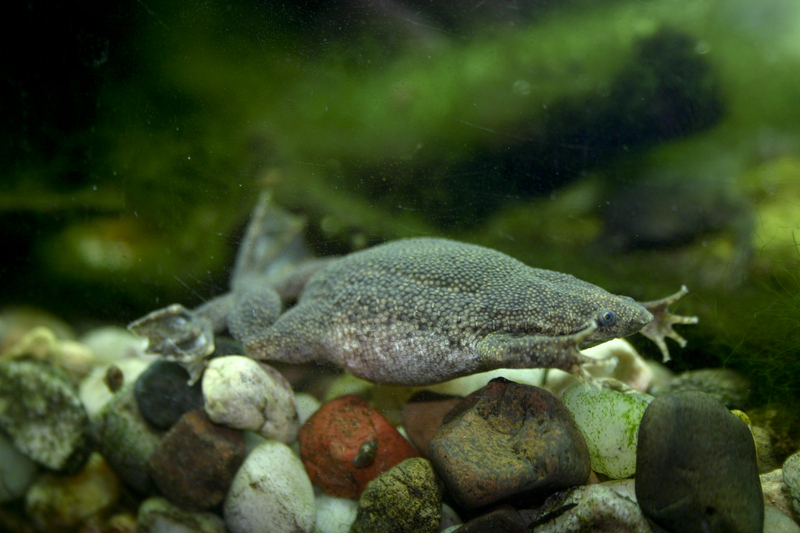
<point x="663" y="320"/>
<point x="506" y="350"/>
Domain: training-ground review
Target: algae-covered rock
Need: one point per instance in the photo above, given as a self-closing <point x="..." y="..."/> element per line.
<point x="126" y="440"/>
<point x="609" y="421"/>
<point x="41" y="412"/>
<point x="405" y="498"/>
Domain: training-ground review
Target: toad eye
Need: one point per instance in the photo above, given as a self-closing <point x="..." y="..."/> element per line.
<point x="606" y="317"/>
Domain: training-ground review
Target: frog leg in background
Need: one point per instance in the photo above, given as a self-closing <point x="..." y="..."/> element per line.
<point x="269" y="254"/>
<point x="663" y="320"/>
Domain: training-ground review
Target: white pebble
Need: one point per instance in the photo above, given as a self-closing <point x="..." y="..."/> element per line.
<point x="450" y="518"/>
<point x="243" y="394"/>
<point x="94" y="392"/>
<point x="111" y="344"/>
<point x="335" y="515"/>
<point x="307" y="405"/>
<point x="271" y="492"/>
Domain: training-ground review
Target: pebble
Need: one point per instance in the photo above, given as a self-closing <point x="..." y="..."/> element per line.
<point x="261" y="399"/>
<point x="449" y="517"/>
<point x="271" y="492"/>
<point x="347" y="443"/>
<point x="41" y="344"/>
<point x="157" y="515"/>
<point x="64" y="503"/>
<point x="422" y="416"/>
<point x="609" y="421"/>
<point x="126" y="440"/>
<point x="16" y="321"/>
<point x="194" y="465"/>
<point x="509" y="441"/>
<point x="791" y="479"/>
<point x="93" y="389"/>
<point x="407" y="498"/>
<point x="307" y="405"/>
<point x="696" y="467"/>
<point x="16" y="471"/>
<point x="731" y="388"/>
<point x="588" y="509"/>
<point x="122" y="522"/>
<point x="334" y="515"/>
<point x="112" y="344"/>
<point x="777" y="522"/>
<point x="164" y="395"/>
<point x="776" y="493"/>
<point x="503" y="519"/>
<point x="42" y="414"/>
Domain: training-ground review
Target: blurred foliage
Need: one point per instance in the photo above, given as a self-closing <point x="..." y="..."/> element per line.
<point x="636" y="144"/>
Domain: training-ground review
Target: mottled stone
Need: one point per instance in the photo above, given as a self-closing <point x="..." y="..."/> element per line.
<point x="696" y="467"/>
<point x="194" y="465"/>
<point x="164" y="394"/>
<point x="423" y="415"/>
<point x="347" y="443"/>
<point x="791" y="480"/>
<point x="271" y="492"/>
<point x="731" y="388"/>
<point x="157" y="515"/>
<point x="244" y="394"/>
<point x="509" y="441"/>
<point x="126" y="440"/>
<point x="407" y="498"/>
<point x="588" y="509"/>
<point x="609" y="421"/>
<point x="42" y="414"/>
<point x="58" y="503"/>
<point x="775" y="492"/>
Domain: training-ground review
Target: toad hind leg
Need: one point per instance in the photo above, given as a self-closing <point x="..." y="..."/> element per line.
<point x="504" y="350"/>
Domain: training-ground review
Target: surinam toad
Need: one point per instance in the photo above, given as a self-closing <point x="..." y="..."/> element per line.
<point x="410" y="312"/>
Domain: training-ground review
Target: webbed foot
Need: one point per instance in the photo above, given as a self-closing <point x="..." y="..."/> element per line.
<point x="661" y="325"/>
<point x="178" y="335"/>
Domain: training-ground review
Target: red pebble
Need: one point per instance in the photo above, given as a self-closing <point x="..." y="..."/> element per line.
<point x="347" y="443"/>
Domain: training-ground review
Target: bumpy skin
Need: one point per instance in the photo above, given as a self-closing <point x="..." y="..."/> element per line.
<point x="421" y="311"/>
